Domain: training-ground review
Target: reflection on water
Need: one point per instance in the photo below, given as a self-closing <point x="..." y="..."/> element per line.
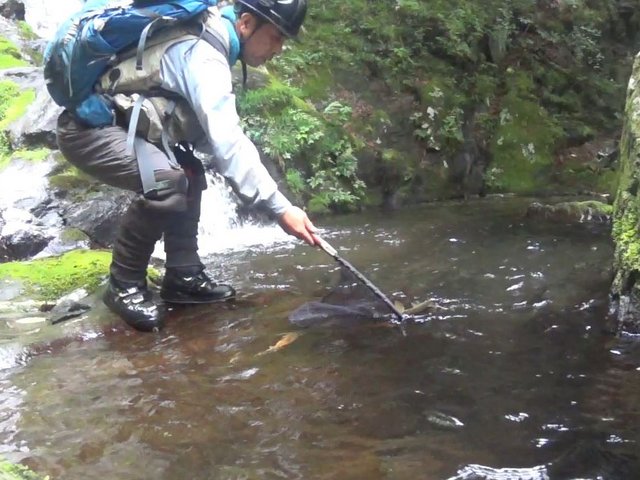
<point x="516" y="377"/>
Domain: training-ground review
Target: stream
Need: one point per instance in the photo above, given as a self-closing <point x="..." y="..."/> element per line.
<point x="514" y="376"/>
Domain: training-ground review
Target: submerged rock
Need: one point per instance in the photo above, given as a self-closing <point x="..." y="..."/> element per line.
<point x="589" y="211"/>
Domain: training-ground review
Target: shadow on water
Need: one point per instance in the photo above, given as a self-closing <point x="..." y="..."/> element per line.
<point x="513" y="377"/>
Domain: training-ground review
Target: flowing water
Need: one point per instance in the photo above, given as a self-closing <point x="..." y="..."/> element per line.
<point x="514" y="377"/>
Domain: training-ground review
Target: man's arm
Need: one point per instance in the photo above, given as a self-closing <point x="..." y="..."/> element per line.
<point x="201" y="75"/>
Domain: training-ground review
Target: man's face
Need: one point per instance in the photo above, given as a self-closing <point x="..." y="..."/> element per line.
<point x="262" y="40"/>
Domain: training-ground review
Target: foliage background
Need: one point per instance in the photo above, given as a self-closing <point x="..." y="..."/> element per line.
<point x="390" y="102"/>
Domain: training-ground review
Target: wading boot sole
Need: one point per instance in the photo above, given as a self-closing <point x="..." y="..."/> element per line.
<point x="178" y="298"/>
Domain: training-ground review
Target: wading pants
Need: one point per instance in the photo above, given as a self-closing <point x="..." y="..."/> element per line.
<point x="174" y="212"/>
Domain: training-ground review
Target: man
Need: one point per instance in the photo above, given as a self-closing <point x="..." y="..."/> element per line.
<point x="186" y="83"/>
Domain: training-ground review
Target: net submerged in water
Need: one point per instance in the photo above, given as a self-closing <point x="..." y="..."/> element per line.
<point x="348" y="303"/>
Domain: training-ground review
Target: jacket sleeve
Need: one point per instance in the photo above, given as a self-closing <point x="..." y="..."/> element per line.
<point x="201" y="74"/>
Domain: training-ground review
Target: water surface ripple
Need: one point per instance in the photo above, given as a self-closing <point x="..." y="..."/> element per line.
<point x="515" y="376"/>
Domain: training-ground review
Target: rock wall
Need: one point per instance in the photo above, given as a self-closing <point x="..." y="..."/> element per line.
<point x="626" y="223"/>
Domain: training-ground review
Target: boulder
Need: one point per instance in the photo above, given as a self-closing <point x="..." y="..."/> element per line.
<point x="99" y="215"/>
<point x="37" y="127"/>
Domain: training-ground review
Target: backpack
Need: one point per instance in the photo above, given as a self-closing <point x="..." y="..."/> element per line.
<point x="95" y="38"/>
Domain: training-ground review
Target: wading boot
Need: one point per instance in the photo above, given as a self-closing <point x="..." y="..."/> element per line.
<point x="134" y="304"/>
<point x="181" y="286"/>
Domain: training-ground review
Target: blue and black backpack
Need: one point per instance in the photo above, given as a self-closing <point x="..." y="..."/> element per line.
<point x="92" y="40"/>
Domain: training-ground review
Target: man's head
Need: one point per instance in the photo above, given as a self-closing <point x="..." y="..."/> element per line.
<point x="264" y="25"/>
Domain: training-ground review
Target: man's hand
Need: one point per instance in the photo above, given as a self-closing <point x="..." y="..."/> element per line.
<point x="295" y="222"/>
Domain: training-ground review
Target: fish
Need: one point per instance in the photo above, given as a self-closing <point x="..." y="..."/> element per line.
<point x="286" y="340"/>
<point x="418" y="308"/>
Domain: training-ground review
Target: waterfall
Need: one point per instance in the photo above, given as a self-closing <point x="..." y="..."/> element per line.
<point x="44" y="16"/>
<point x="221" y="228"/>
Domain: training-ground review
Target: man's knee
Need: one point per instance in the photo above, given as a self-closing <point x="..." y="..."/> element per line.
<point x="170" y="192"/>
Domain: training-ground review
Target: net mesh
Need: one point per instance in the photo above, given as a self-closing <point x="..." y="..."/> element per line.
<point x="349" y="302"/>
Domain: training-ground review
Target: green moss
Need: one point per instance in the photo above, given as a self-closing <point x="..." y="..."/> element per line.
<point x="69" y="181"/>
<point x="72" y="235"/>
<point x="17" y="107"/>
<point x="26" y="32"/>
<point x="626" y="228"/>
<point x="50" y="278"/>
<point x="36" y="155"/>
<point x="524" y="141"/>
<point x="8" y="91"/>
<point x="11" y="471"/>
<point x="10" y="56"/>
<point x="570" y="212"/>
<point x="6" y="156"/>
<point x="594" y="206"/>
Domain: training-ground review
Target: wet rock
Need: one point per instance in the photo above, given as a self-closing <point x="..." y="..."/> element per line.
<point x="571" y="212"/>
<point x="23" y="190"/>
<point x="10" y="289"/>
<point x="25" y="77"/>
<point x="9" y="30"/>
<point x="256" y="77"/>
<point x="98" y="217"/>
<point x="22" y="244"/>
<point x="70" y="306"/>
<point x="627" y="312"/>
<point x="12" y="9"/>
<point x="37" y="127"/>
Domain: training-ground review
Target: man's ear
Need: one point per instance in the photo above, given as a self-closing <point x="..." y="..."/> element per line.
<point x="245" y="25"/>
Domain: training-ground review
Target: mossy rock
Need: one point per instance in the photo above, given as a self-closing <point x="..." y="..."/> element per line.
<point x="625" y="233"/>
<point x="17" y="107"/>
<point x="588" y="211"/>
<point x="11" y="471"/>
<point x="10" y="55"/>
<point x="69" y="181"/>
<point x="50" y="278"/>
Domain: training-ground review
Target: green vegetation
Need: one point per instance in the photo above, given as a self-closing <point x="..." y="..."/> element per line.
<point x="26" y="32"/>
<point x="11" y="471"/>
<point x="626" y="234"/>
<point x="17" y="107"/>
<point x="514" y="83"/>
<point x="313" y="148"/>
<point x="13" y="104"/>
<point x="10" y="55"/>
<point x="36" y="155"/>
<point x="51" y="278"/>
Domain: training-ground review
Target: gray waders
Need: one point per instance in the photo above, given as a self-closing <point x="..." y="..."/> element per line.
<point x="171" y="207"/>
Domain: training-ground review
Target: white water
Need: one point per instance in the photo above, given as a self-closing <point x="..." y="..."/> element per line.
<point x="44" y="15"/>
<point x="221" y="230"/>
<point x="23" y="185"/>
